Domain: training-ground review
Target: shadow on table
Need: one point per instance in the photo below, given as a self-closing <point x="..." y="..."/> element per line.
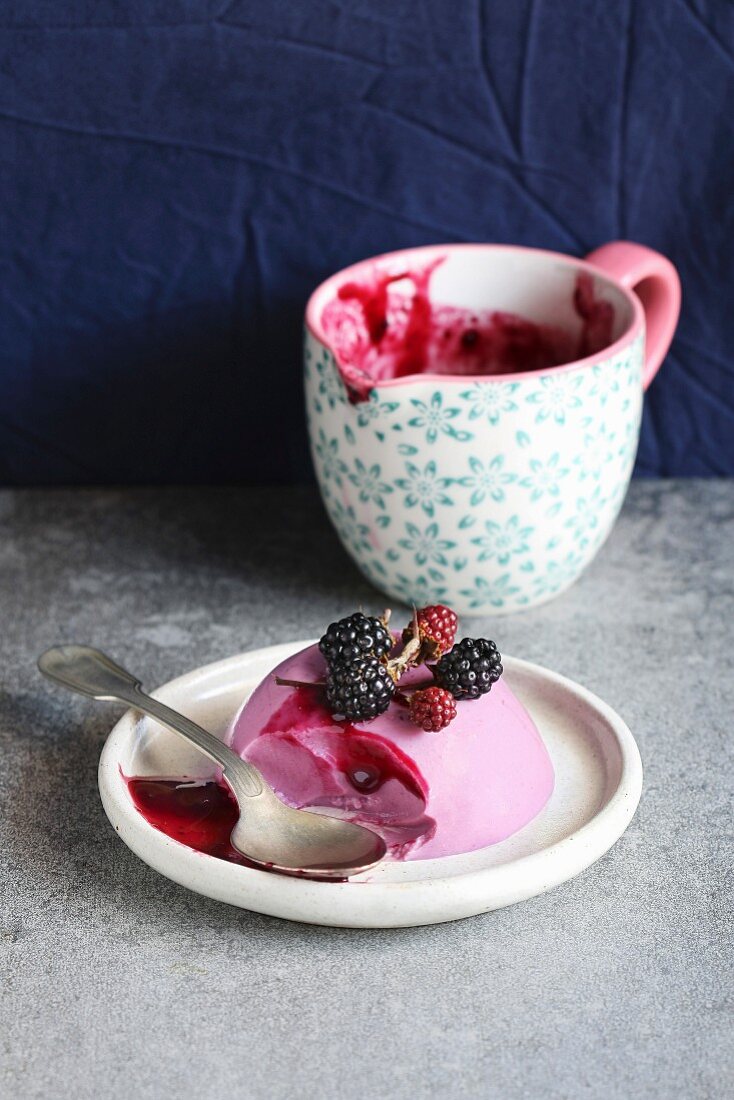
<point x="276" y="539"/>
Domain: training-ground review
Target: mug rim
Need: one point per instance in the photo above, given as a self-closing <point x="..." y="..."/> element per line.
<point x="315" y="303"/>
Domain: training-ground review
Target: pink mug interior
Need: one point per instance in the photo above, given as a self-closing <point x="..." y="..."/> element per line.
<point x="468" y="311"/>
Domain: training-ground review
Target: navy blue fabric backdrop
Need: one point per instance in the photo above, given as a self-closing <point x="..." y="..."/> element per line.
<point x="176" y="176"/>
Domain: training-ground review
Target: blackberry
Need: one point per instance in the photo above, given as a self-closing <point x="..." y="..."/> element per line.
<point x="359" y="689"/>
<point x="469" y="669"/>
<point x="356" y="636"/>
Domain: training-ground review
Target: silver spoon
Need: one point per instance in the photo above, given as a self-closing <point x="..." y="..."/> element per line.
<point x="268" y="832"/>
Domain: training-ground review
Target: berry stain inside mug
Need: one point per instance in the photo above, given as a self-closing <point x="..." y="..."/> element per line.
<point x="388" y="326"/>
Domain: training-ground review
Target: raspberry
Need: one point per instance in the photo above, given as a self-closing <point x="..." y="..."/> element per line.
<point x="469" y="669"/>
<point x="356" y="636"/>
<point x="432" y="709"/>
<point x="359" y="689"/>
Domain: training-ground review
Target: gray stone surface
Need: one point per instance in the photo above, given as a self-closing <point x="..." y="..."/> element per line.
<point x="117" y="983"/>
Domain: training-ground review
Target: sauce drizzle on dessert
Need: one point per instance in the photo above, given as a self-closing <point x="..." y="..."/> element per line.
<point x="366" y="759"/>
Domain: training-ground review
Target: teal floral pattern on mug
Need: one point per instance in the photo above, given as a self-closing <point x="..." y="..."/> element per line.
<point x="492" y="497"/>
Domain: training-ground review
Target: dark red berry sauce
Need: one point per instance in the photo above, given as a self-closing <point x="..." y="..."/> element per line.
<point x="199" y="813"/>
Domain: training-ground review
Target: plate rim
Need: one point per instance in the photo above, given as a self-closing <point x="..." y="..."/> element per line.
<point x="377" y="904"/>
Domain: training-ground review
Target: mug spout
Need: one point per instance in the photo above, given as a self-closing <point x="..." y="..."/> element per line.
<point x="377" y="324"/>
<point x="357" y="382"/>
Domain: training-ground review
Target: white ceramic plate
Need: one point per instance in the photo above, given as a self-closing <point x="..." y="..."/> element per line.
<point x="598" y="784"/>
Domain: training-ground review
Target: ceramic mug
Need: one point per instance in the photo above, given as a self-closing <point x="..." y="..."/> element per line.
<point x="488" y="492"/>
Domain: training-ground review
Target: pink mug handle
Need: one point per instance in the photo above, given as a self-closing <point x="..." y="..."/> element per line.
<point x="655" y="282"/>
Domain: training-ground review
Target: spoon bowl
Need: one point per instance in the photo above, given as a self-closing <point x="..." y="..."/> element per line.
<point x="267" y="832"/>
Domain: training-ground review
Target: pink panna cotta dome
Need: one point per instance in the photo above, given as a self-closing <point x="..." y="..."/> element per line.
<point x="476" y="782"/>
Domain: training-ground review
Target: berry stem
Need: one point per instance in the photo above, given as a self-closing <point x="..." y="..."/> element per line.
<point x="418" y="687"/>
<point x="409" y="657"/>
<point x="281" y="681"/>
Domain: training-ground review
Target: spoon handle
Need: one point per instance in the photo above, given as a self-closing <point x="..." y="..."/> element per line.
<point x="90" y="672"/>
<point x="248" y="778"/>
